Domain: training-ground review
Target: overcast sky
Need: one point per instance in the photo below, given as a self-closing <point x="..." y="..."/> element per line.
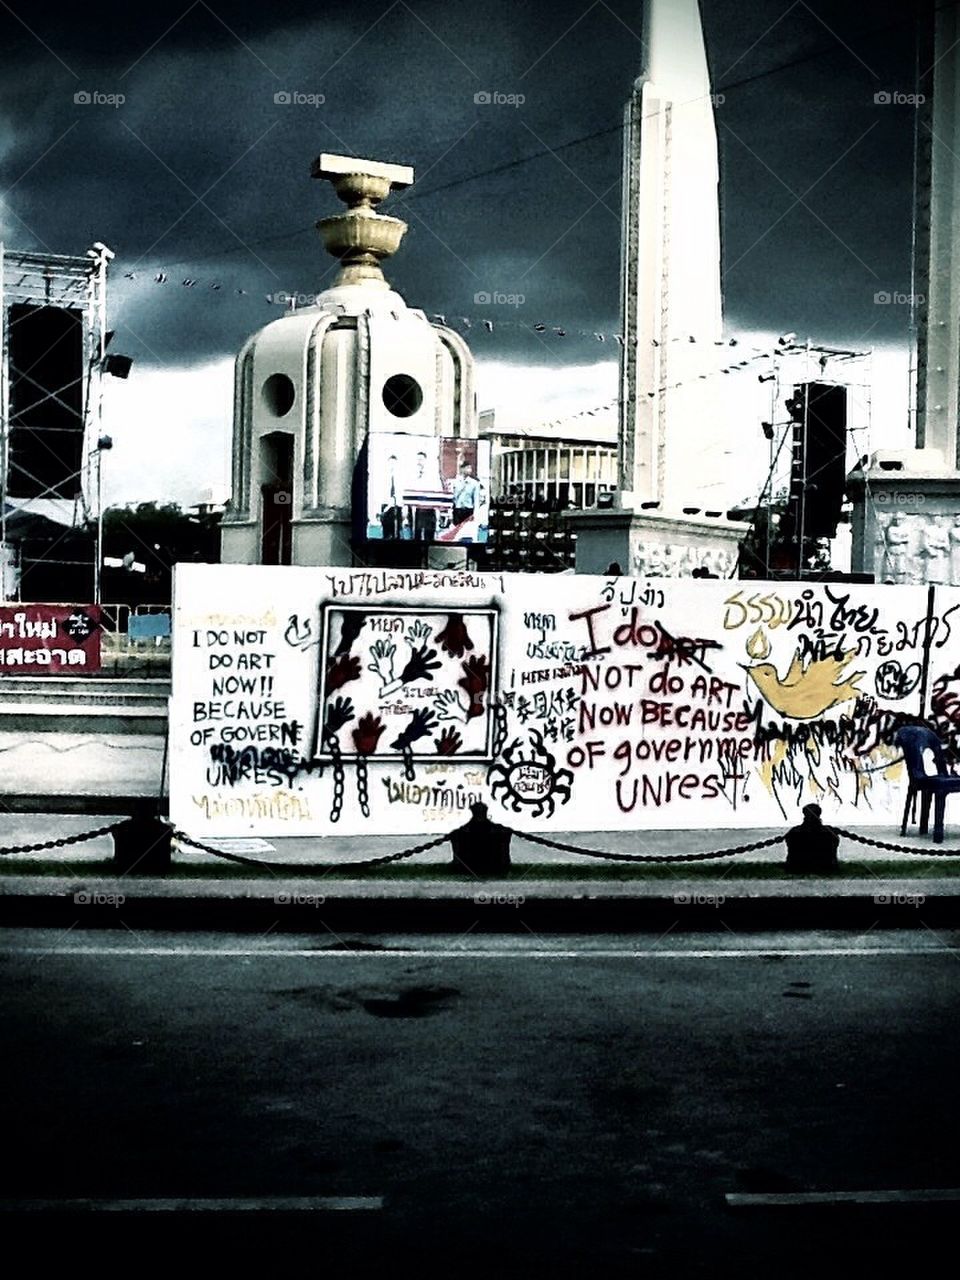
<point x="202" y="173"/>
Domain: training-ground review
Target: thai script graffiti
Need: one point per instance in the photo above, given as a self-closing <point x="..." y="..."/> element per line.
<point x="366" y="585"/>
<point x="436" y="797"/>
<point x="281" y="806"/>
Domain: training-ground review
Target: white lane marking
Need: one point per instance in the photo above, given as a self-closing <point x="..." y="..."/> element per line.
<point x="798" y="1198"/>
<point x="271" y="1204"/>
<point x="475" y="953"/>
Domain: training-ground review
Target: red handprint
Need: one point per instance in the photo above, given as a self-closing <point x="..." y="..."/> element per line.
<point x="476" y="678"/>
<point x="342" y="670"/>
<point x="366" y="735"/>
<point x="449" y="743"/>
<point x="454" y="638"/>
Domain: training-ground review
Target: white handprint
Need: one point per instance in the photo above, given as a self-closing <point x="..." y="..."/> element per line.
<point x="449" y="707"/>
<point x="418" y="634"/>
<point x="383" y="653"/>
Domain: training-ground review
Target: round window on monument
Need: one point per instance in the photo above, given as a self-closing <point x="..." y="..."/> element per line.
<point x="278" y="394"/>
<point x="402" y="395"/>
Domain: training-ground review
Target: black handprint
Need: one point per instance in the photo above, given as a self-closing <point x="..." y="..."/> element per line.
<point x="421" y="665"/>
<point x="349" y="630"/>
<point x="422" y="723"/>
<point x="339" y="711"/>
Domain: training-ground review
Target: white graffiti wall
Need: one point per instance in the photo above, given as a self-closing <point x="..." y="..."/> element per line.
<point x="309" y="701"/>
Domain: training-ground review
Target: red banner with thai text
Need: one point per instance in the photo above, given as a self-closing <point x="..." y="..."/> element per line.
<point x="49" y="639"/>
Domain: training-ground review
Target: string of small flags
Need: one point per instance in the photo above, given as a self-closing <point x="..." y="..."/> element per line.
<point x="738" y="367"/>
<point x="484" y="324"/>
<point x="559" y="422"/>
<point x="188" y="282"/>
<point x="487" y="324"/>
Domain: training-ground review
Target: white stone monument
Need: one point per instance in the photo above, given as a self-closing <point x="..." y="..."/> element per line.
<point x="311" y="387"/>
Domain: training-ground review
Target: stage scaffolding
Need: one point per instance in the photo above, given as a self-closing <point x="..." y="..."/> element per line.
<point x="78" y="283"/>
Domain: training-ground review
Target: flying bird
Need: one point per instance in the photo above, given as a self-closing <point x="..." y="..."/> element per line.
<point x="807" y="692"/>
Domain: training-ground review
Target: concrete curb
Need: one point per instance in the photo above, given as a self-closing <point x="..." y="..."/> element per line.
<point x="310" y="906"/>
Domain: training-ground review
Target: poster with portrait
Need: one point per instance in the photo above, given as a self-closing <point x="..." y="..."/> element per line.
<point x="431" y="489"/>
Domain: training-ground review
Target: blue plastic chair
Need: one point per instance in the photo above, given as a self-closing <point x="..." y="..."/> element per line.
<point x="913" y="740"/>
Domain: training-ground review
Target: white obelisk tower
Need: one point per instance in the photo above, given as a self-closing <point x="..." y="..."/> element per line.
<point x="671" y="406"/>
<point x="670" y="259"/>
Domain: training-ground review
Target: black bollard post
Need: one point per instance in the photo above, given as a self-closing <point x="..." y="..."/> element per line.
<point x="812" y="847"/>
<point x="481" y="847"/>
<point x="141" y="843"/>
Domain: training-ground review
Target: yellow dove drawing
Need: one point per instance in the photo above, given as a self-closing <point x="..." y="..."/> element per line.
<point x="806" y="692"/>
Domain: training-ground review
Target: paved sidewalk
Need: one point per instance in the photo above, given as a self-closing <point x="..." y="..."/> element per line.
<point x="890" y="891"/>
<point x="24" y="828"/>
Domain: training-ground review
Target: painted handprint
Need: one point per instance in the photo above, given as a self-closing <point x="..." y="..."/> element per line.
<point x="350" y="628"/>
<point x="382" y="654"/>
<point x="475" y="680"/>
<point x="422" y="723"/>
<point x="448" y="706"/>
<point x="366" y="735"/>
<point x="454" y="638"/>
<point x="342" y="670"/>
<point x="449" y="743"/>
<point x="421" y="665"/>
<point x="418" y="633"/>
<point x="339" y="711"/>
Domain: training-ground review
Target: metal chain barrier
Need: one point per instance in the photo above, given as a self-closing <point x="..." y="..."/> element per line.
<point x="302" y="867"/>
<point x="60" y="843"/>
<point x="649" y="857"/>
<point x="932" y="851"/>
<point x="63" y="842"/>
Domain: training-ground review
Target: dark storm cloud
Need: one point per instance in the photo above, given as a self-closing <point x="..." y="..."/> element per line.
<point x="200" y="120"/>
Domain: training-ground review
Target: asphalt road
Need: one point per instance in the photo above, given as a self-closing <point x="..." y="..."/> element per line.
<point x="539" y="1107"/>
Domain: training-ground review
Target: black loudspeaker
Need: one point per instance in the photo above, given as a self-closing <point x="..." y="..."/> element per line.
<point x="819" y="413"/>
<point x="45" y="450"/>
